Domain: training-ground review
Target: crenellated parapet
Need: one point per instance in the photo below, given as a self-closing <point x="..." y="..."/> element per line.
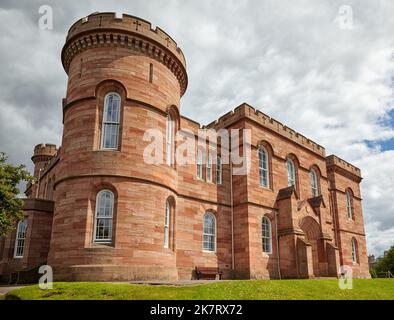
<point x="247" y="111"/>
<point x="136" y="34"/>
<point x="337" y="164"/>
<point x="43" y="152"/>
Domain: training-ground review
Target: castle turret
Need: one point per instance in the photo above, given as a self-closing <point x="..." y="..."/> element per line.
<point x="124" y="78"/>
<point x="43" y="153"/>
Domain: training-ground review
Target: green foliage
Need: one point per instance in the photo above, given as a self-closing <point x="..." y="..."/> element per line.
<point x="10" y="205"/>
<point x="387" y="262"/>
<point x="373" y="273"/>
<point x="379" y="289"/>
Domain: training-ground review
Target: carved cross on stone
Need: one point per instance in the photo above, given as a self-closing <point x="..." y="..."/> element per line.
<point x="137" y="24"/>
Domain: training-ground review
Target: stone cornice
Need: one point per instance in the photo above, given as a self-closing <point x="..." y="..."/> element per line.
<point x="38" y="205"/>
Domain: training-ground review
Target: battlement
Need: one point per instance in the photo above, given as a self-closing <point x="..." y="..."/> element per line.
<point x="102" y="29"/>
<point x="43" y="152"/>
<point x="129" y="23"/>
<point x="247" y="111"/>
<point x="333" y="160"/>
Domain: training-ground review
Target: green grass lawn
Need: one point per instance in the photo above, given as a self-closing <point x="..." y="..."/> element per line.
<point x="226" y="290"/>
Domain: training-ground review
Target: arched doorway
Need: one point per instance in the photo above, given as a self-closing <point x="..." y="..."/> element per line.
<point x="312" y="232"/>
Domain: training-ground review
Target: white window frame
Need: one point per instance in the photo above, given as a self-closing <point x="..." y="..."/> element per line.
<point x="209" y="167"/>
<point x="199" y="163"/>
<point x="266" y="223"/>
<point x="354" y="251"/>
<point x="349" y="207"/>
<point x="219" y="170"/>
<point x="291" y="175"/>
<point x="167" y="221"/>
<point x="20" y="239"/>
<point x="263" y="167"/>
<point x="314" y="183"/>
<point x="110" y="123"/>
<point x="170" y="141"/>
<point x="97" y="217"/>
<point x="208" y="250"/>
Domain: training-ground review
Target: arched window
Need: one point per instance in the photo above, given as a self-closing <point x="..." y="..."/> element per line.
<point x="167" y="220"/>
<point x="291" y="179"/>
<point x="199" y="164"/>
<point x="219" y="174"/>
<point x="314" y="183"/>
<point x="354" y="251"/>
<point x="209" y="232"/>
<point x="170" y="140"/>
<point x="104" y="217"/>
<point x="20" y="239"/>
<point x="111" y="120"/>
<point x="349" y="205"/>
<point x="263" y="167"/>
<point x="209" y="168"/>
<point x="266" y="235"/>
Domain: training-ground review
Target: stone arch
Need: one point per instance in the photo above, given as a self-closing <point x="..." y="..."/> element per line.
<point x="173" y="111"/>
<point x="312" y="231"/>
<point x="108" y="85"/>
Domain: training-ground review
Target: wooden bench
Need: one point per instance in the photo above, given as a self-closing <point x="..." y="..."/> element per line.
<point x="202" y="272"/>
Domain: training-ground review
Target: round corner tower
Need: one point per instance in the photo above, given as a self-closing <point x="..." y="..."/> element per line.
<point x="124" y="78"/>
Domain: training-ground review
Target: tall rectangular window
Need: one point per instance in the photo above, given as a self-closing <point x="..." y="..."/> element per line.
<point x="20" y="239"/>
<point x="111" y="121"/>
<point x="266" y="235"/>
<point x="199" y="164"/>
<point x="170" y="141"/>
<point x="290" y="173"/>
<point x="104" y="216"/>
<point x="219" y="174"/>
<point x="263" y="167"/>
<point x="167" y="219"/>
<point x="209" y="168"/>
<point x="209" y="232"/>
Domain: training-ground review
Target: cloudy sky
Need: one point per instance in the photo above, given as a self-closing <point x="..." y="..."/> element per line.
<point x="302" y="62"/>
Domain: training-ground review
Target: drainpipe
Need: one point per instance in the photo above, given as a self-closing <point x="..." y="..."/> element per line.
<point x="232" y="215"/>
<point x="277" y="244"/>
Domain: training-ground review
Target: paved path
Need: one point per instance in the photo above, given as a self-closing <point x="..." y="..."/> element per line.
<point x="6" y="289"/>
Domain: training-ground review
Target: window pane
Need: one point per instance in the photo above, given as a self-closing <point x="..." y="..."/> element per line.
<point x="263" y="167"/>
<point x="170" y="140"/>
<point x="290" y="173"/>
<point x="110" y="129"/>
<point x="209" y="168"/>
<point x="104" y="214"/>
<point x="266" y="235"/>
<point x="112" y="109"/>
<point x="199" y="164"/>
<point x="209" y="232"/>
<point x="20" y="238"/>
<point x="219" y="170"/>
<point x="167" y="224"/>
<point x="314" y="187"/>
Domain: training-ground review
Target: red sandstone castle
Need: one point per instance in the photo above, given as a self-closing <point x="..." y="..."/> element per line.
<point x="98" y="211"/>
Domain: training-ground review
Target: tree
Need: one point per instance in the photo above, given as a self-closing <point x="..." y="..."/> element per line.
<point x="387" y="262"/>
<point x="10" y="205"/>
